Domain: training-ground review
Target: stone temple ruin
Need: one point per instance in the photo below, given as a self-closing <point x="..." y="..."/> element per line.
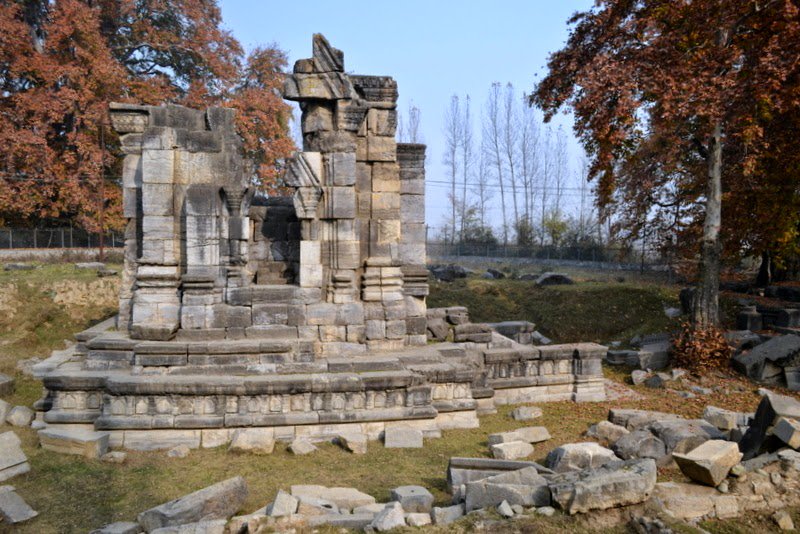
<point x="303" y="314"/>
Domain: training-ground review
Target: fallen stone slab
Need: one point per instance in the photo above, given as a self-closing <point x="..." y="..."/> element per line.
<point x="13" y="508"/>
<point x="788" y="431"/>
<point x="653" y="356"/>
<point x="684" y="435"/>
<point x="179" y="451"/>
<point x="759" y="437"/>
<point x="418" y="520"/>
<point x="447" y="514"/>
<point x="86" y="443"/>
<point x="353" y="442"/>
<point x="533" y="434"/>
<point x="342" y="521"/>
<point x="302" y="446"/>
<point x="783" y="519"/>
<point x="313" y="506"/>
<point x="19" y="266"/>
<point x="513" y="450"/>
<point x="638" y="377"/>
<point x="390" y="517"/>
<point x="503" y="437"/>
<point x="284" y="505"/>
<point x="636" y="419"/>
<point x="725" y="419"/>
<point x="253" y="440"/>
<point x="777" y="351"/>
<point x="121" y="527"/>
<point x="526" y="413"/>
<point x="13" y="460"/>
<point x="461" y="471"/>
<point x="525" y="487"/>
<point x="219" y="501"/>
<point x="402" y="438"/>
<point x="618" y="483"/>
<point x="203" y="527"/>
<point x="412" y="498"/>
<point x="6" y="384"/>
<point x="620" y="357"/>
<point x="20" y="416"/>
<point x="579" y="456"/>
<point x="114" y="457"/>
<point x="710" y="462"/>
<point x="344" y="498"/>
<point x="606" y="432"/>
<point x="90" y="265"/>
<point x="639" y="444"/>
<point x="505" y="510"/>
<point x="687" y="502"/>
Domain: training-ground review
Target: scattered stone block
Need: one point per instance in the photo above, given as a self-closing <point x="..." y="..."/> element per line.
<point x="526" y="413"/>
<point x="759" y="438"/>
<point x="314" y="506"/>
<point x="683" y="435"/>
<point x="122" y="527"/>
<point x="504" y="509"/>
<point x="778" y="351"/>
<point x="201" y="527"/>
<point x="638" y="377"/>
<point x="533" y="434"/>
<point x="390" y="517"/>
<point x="503" y="437"/>
<point x="13" y="461"/>
<point x="418" y="520"/>
<point x="20" y="416"/>
<point x="783" y="519"/>
<point x="373" y="508"/>
<point x="356" y="522"/>
<point x="710" y="462"/>
<point x="402" y="438"/>
<point x="301" y="446"/>
<point x="13" y="508"/>
<point x="253" y="440"/>
<point x="85" y="443"/>
<point x="788" y="431"/>
<point x="578" y="456"/>
<point x="618" y="483"/>
<point x="413" y="498"/>
<point x="636" y="419"/>
<point x="114" y="457"/>
<point x="513" y="450"/>
<point x="219" y="501"/>
<point x="606" y="432"/>
<point x="724" y="419"/>
<point x="353" y="442"/>
<point x="687" y="502"/>
<point x="639" y="444"/>
<point x="284" y="505"/>
<point x="655" y="382"/>
<point x="343" y="498"/>
<point x="447" y="514"/>
<point x="525" y="487"/>
<point x="547" y="511"/>
<point x="6" y="384"/>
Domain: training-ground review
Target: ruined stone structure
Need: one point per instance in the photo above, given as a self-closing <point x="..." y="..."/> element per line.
<point x="305" y="314"/>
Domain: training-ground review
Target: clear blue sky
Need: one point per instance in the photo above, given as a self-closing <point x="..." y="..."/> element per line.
<point x="433" y="48"/>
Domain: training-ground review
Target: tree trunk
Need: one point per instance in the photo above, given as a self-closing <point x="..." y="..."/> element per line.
<point x="706" y="300"/>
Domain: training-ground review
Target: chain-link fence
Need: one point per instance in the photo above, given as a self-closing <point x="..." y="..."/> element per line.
<point x="54" y="238"/>
<point x="596" y="256"/>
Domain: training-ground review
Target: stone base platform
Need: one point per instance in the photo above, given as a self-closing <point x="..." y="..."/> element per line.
<point x="151" y="394"/>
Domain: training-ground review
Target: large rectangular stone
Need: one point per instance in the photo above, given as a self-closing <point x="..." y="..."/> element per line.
<point x="339" y="202"/>
<point x="412" y="208"/>
<point x="386" y="206"/>
<point x="69" y="441"/>
<point x="340" y="168"/>
<point x="12" y="459"/>
<point x="219" y="501"/>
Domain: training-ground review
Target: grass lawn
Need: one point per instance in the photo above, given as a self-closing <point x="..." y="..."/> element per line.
<point x="74" y="494"/>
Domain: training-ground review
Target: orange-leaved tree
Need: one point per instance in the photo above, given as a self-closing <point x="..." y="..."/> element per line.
<point x="63" y="61"/>
<point x="673" y="101"/>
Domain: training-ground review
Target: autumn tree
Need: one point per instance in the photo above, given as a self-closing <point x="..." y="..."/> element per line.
<point x="62" y="62"/>
<point x="687" y="88"/>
